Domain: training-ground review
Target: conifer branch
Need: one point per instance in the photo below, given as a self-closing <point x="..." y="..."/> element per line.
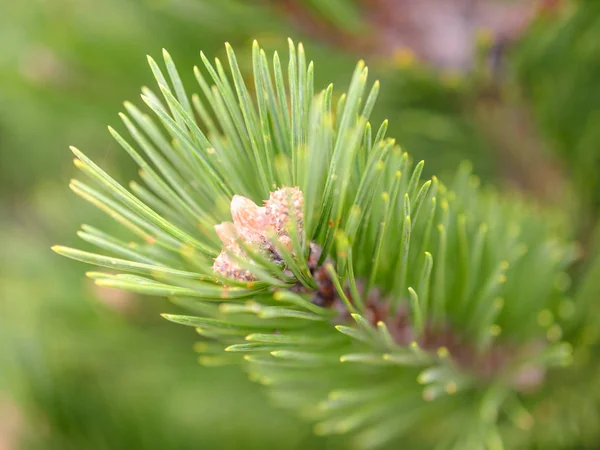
<point x="367" y="299"/>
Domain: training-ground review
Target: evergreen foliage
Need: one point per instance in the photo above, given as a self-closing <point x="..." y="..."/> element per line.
<point x="558" y="63"/>
<point x="401" y="308"/>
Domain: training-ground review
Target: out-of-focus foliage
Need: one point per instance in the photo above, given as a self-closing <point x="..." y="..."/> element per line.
<point x="68" y="64"/>
<point x="558" y="64"/>
<point x="82" y="374"/>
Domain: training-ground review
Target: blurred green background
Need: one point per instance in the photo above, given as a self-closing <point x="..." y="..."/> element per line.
<point x="512" y="86"/>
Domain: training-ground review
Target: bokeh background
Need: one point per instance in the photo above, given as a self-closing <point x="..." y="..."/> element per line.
<point x="511" y="85"/>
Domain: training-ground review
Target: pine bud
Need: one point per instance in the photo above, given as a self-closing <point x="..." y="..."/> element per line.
<point x="279" y="205"/>
<point x="250" y="221"/>
<point x="254" y="225"/>
<point x="227" y="233"/>
<point x="227" y="267"/>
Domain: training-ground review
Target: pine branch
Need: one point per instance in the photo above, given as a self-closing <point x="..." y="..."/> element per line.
<point x="370" y="301"/>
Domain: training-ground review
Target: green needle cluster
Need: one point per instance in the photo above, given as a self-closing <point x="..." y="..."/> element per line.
<point x="404" y="309"/>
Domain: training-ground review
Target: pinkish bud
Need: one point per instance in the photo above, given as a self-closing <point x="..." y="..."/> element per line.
<point x="250" y="221"/>
<point x="280" y="204"/>
<point x="287" y="243"/>
<point x="227" y="234"/>
<point x="254" y="225"/>
<point x="227" y="267"/>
